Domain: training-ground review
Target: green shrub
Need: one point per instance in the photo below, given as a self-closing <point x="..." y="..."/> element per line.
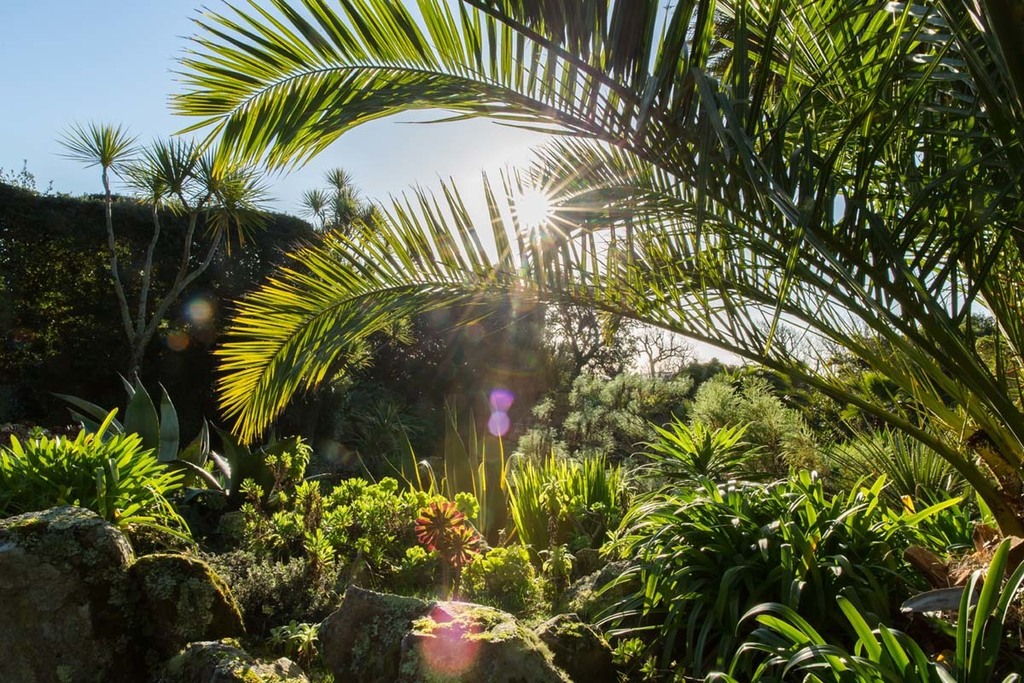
<point x="787" y="647"/>
<point x="503" y="578"/>
<point x="686" y="455"/>
<point x="361" y="529"/>
<point x="111" y="475"/>
<point x="779" y="432"/>
<point x="272" y="593"/>
<point x="561" y="501"/>
<point x="603" y="417"/>
<point x="912" y="468"/>
<point x="705" y="557"/>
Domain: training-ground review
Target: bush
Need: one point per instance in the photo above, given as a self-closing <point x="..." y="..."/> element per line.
<point x="604" y="417"/>
<point x="111" y="475"/>
<point x="705" y="557"/>
<point x="779" y="432"/>
<point x="364" y="530"/>
<point x="503" y="578"/>
<point x="561" y="501"/>
<point x="271" y="593"/>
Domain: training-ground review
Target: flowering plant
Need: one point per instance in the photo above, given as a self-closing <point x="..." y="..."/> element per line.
<point x="443" y="529"/>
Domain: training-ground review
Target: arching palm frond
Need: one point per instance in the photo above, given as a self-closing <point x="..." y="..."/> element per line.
<point x="850" y="166"/>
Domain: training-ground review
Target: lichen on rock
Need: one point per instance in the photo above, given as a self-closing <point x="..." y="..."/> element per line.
<point x="380" y="638"/>
<point x="223" y="662"/>
<point x="182" y="600"/>
<point x="66" y="608"/>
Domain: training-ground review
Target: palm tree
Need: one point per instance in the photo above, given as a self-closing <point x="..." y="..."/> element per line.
<point x="176" y="176"/>
<point x="850" y="167"/>
<point x="339" y="207"/>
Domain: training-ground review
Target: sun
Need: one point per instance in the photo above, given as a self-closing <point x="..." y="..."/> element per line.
<point x="533" y="208"/>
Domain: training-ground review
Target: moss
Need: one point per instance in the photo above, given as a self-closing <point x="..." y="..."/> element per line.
<point x="224" y="662"/>
<point x="183" y="600"/>
<point x="90" y="558"/>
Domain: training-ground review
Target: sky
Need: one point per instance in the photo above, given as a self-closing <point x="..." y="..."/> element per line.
<point x="71" y="62"/>
<point x="67" y="62"/>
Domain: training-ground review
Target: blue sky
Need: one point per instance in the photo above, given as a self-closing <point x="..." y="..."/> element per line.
<point x="82" y="61"/>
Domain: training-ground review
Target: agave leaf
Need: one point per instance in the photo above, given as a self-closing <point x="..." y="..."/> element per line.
<point x="140" y="417"/>
<point x="169" y="436"/>
<point x="198" y="451"/>
<point x="91" y="426"/>
<point x="939" y="600"/>
<point x="90" y="409"/>
<point x="192" y="471"/>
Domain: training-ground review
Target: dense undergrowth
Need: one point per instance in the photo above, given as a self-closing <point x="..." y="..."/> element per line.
<point x="720" y="564"/>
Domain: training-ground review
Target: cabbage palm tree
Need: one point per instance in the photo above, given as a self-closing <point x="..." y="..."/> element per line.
<point x="176" y="176"/>
<point x="849" y="170"/>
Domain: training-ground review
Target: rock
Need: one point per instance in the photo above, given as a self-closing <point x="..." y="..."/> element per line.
<point x="588" y="561"/>
<point x="182" y="600"/>
<point x="586" y="597"/>
<point x="578" y="649"/>
<point x="362" y="641"/>
<point x="219" y="662"/>
<point x="65" y="605"/>
<point x="378" y="638"/>
<point x="459" y="642"/>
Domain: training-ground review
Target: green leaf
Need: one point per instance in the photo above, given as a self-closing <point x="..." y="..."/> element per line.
<point x="169" y="435"/>
<point x="140" y="417"/>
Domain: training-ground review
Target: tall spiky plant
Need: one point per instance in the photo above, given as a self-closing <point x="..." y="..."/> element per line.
<point x="838" y="166"/>
<point x="176" y="176"/>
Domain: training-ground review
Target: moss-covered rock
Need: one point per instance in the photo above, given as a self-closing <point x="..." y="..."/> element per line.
<point x="379" y="638"/>
<point x="591" y="596"/>
<point x="66" y="609"/>
<point x="182" y="600"/>
<point x="458" y="642"/>
<point x="362" y="641"/>
<point x="579" y="650"/>
<point x="222" y="662"/>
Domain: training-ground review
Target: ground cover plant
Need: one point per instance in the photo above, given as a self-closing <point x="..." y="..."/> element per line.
<point x="113" y="475"/>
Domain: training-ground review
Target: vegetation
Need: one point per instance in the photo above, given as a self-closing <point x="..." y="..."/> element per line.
<point x="184" y="178"/>
<point x="111" y="474"/>
<point x="830" y="191"/>
<point x="830" y="171"/>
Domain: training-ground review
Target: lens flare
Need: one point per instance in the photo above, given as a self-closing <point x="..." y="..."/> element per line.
<point x="199" y="311"/>
<point x="533" y="208"/>
<point x="499" y="423"/>
<point x="178" y="340"/>
<point x="450" y="650"/>
<point x="501" y="400"/>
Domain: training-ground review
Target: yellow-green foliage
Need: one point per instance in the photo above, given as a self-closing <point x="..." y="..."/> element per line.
<point x="580" y="501"/>
<point x="358" y="524"/>
<point x="110" y="475"/>
<point x="503" y="578"/>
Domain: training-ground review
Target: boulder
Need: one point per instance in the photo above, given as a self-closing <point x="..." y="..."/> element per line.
<point x="182" y="600"/>
<point x="362" y="641"/>
<point x="578" y="649"/>
<point x="66" y="609"/>
<point x="378" y="638"/>
<point x="222" y="662"/>
<point x="590" y="596"/>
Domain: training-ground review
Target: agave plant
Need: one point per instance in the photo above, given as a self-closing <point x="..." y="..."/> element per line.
<point x="158" y="431"/>
<point x="724" y="169"/>
<point x="197" y="461"/>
